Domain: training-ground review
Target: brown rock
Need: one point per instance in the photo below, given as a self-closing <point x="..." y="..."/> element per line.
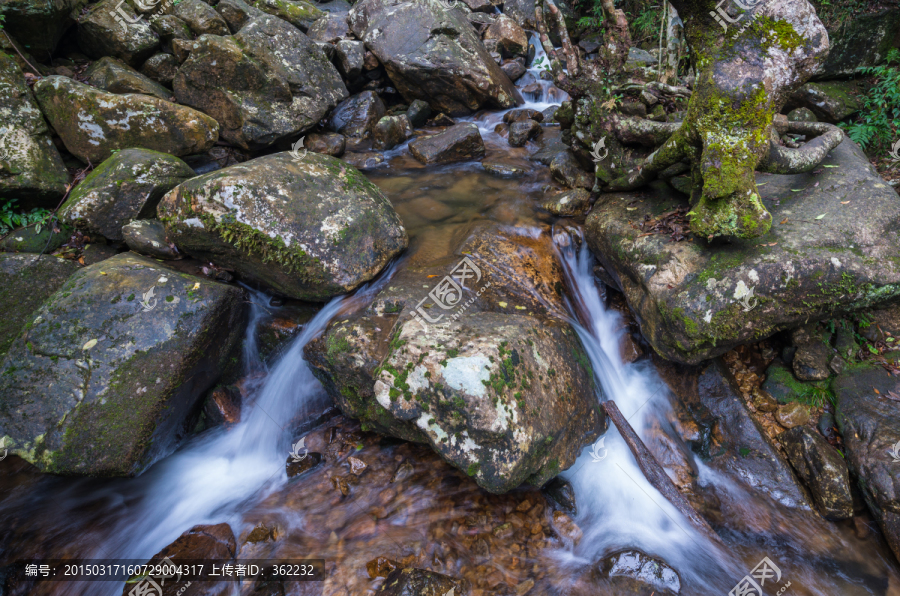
<point x="357" y="466"/>
<point x="459" y="142"/>
<point x="792" y="414"/>
<point x="330" y="143"/>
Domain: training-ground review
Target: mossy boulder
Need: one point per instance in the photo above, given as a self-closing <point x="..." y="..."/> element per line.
<point x="829" y="101"/>
<point x="299" y="13"/>
<point x="115" y="76"/>
<point x="834" y="247"/>
<point x="103" y="31"/>
<point x="31" y="169"/>
<point x="26" y="280"/>
<point x="39" y="24"/>
<point x="310" y="228"/>
<point x="200" y="17"/>
<point x="36" y="238"/>
<point x="148" y="237"/>
<point x="863" y="40"/>
<point x="94" y="123"/>
<point x="104" y="376"/>
<point x="125" y="187"/>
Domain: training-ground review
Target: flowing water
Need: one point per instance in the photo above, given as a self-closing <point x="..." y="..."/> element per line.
<point x="410" y="507"/>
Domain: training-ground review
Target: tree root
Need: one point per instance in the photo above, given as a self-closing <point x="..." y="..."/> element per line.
<point x="786" y="160"/>
<point x="573" y="64"/>
<point x="545" y="39"/>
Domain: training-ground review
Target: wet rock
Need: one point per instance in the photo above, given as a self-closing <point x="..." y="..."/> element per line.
<point x="223" y="406"/>
<point x="237" y="13"/>
<point x="390" y="131"/>
<point x="169" y="28"/>
<point x="871" y="430"/>
<point x="432" y="54"/>
<point x="781" y="384"/>
<point x="266" y="83"/>
<point x="632" y="571"/>
<point x="485" y="6"/>
<point x="420" y="582"/>
<point x="503" y="169"/>
<point x="522" y="12"/>
<point x="125" y="187"/>
<point x="95" y="253"/>
<point x="811" y="361"/>
<point x="26" y="280"/>
<point x="565" y="169"/>
<point x="40" y="25"/>
<point x="350" y="57"/>
<point x="298" y="468"/>
<point x="864" y="40"/>
<point x="31" y="169"/>
<point x="151" y="123"/>
<point x="562" y="493"/>
<point x="764" y="402"/>
<point x="523" y="131"/>
<point x="148" y="237"/>
<point x="513" y="69"/>
<point x="511" y="38"/>
<point x="801" y="115"/>
<point x="299" y="13"/>
<point x="694" y="299"/>
<point x="330" y="231"/>
<point x="109" y="404"/>
<point x="522" y="115"/>
<point x="792" y="414"/>
<point x="830" y="101"/>
<point x="182" y="48"/>
<point x="102" y="32"/>
<point x="357" y="466"/>
<point x="330" y="28"/>
<point x="569" y="203"/>
<point x="329" y="143"/>
<point x="381" y="567"/>
<point x="823" y="470"/>
<point x="404" y="471"/>
<point x="458" y="143"/>
<point x="418" y="113"/>
<point x="364" y="161"/>
<point x="442" y="120"/>
<point x="114" y="76"/>
<point x="356" y="116"/>
<point x="200" y="17"/>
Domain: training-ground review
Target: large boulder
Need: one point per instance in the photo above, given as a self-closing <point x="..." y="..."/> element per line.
<point x="433" y="54"/>
<point x="834" y="246"/>
<point x="299" y="13"/>
<point x="93" y="123"/>
<point x="829" y="101"/>
<point x="357" y="115"/>
<point x="26" y="280"/>
<point x="39" y="24"/>
<point x="125" y="187"/>
<point x="330" y="28"/>
<point x="113" y="28"/>
<point x="115" y="76"/>
<point x="267" y="82"/>
<point x="103" y="378"/>
<point x="864" y="40"/>
<point x="458" y="143"/>
<point x="308" y="228"/>
<point x="31" y="169"/>
<point x="200" y="17"/>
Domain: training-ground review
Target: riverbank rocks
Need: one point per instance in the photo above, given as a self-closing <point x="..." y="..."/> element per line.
<point x="309" y="229"/>
<point x="870" y="426"/>
<point x="415" y="582"/>
<point x="148" y="237"/>
<point x="39" y="25"/>
<point x="569" y="203"/>
<point x="834" y="246"/>
<point x="433" y="54"/>
<point x="458" y="143"/>
<point x="522" y="131"/>
<point x="125" y="187"/>
<point x="31" y="169"/>
<point x="102" y="32"/>
<point x="823" y="470"/>
<point x="390" y="131"/>
<point x="94" y="123"/>
<point x="634" y="572"/>
<point x="103" y="377"/>
<point x="267" y="82"/>
<point x="115" y="76"/>
<point x="357" y="115"/>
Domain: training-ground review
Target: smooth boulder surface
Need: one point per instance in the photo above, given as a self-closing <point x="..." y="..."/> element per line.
<point x="298" y="13"/>
<point x="357" y="115"/>
<point x="823" y="470"/>
<point x="433" y="54"/>
<point x="148" y="237"/>
<point x="94" y="123"/>
<point x="102" y="31"/>
<point x="98" y="383"/>
<point x="458" y="143"/>
<point x="125" y="187"/>
<point x="309" y="229"/>
<point x="115" y="76"/>
<point x="31" y="169"/>
<point x="693" y="300"/>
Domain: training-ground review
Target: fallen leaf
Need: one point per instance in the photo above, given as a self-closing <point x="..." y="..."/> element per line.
<point x="631" y="208"/>
<point x="821" y="216"/>
<point x="90" y="344"/>
<point x="845" y="202"/>
<point x="784" y="221"/>
<point x="893" y="396"/>
<point x="830" y="166"/>
<point x="877" y="392"/>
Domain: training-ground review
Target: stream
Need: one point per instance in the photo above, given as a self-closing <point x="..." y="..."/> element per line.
<point x="409" y="506"/>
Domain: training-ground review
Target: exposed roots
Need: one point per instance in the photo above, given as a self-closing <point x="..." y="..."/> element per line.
<point x="786" y="160"/>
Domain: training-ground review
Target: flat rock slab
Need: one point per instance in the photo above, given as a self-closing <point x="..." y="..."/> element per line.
<point x="458" y="143"/>
<point x="834" y="247"/>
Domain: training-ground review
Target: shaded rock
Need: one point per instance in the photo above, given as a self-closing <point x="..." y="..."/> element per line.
<point x="522" y="115"/>
<point x="102" y="31"/>
<point x="864" y="40"/>
<point x="46" y="240"/>
<point x="511" y="38"/>
<point x="811" y="361"/>
<point x="823" y="470"/>
<point x="830" y="101"/>
<point x="335" y="6"/>
<point x="871" y="430"/>
<point x="459" y="142"/>
<point x="148" y="237"/>
<point x="125" y="187"/>
<point x="513" y="69"/>
<point x="31" y="169"/>
<point x="564" y="168"/>
<point x="330" y="28"/>
<point x="39" y="25"/>
<point x="801" y="115"/>
<point x="201" y="17"/>
<point x="432" y="54"/>
<point x="503" y="169"/>
<point x="479" y="5"/>
<point x="114" y="76"/>
<point x="236" y="13"/>
<point x="781" y="384"/>
<point x="481" y="21"/>
<point x="120" y="121"/>
<point x="25" y="282"/>
<point x="269" y="82"/>
<point x="329" y="143"/>
<point x="521" y="11"/>
<point x="223" y="406"/>
<point x="161" y="68"/>
<point x="418" y="113"/>
<point x="442" y="120"/>
<point x="299" y="13"/>
<point x="523" y="131"/>
<point x="562" y="493"/>
<point x="95" y="397"/>
<point x="632" y="571"/>
<point x="365" y="160"/>
<point x="350" y="56"/>
<point x="95" y="253"/>
<point x="885" y="325"/>
<point x="298" y="468"/>
<point x="792" y="414"/>
<point x="330" y="230"/>
<point x="637" y="56"/>
<point x="357" y="115"/>
<point x="390" y="131"/>
<point x="694" y="300"/>
<point x="169" y="28"/>
<point x="421" y="582"/>
<point x="569" y="203"/>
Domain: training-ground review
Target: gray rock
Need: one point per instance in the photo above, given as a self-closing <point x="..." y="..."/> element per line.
<point x="569" y="203"/>
<point x="781" y="384"/>
<point x="485" y="6"/>
<point x="330" y="28"/>
<point x="365" y="160"/>
<point x="513" y="69"/>
<point x="100" y="385"/>
<point x="148" y="237"/>
<point x="418" y="113"/>
<point x="356" y="116"/>
<point x="114" y="76"/>
<point x="125" y="187"/>
<point x="200" y="17"/>
<point x="633" y="572"/>
<point x="169" y="28"/>
<point x="459" y="142"/>
<point x="811" y="361"/>
<point x="299" y="13"/>
<point x="564" y="168"/>
<point x="390" y="131"/>
<point x="504" y="170"/>
<point x="522" y="131"/>
<point x="161" y="68"/>
<point x="41" y="239"/>
<point x="638" y="56"/>
<point x="335" y="6"/>
<point x="329" y="143"/>
<point x="801" y="115"/>
<point x="829" y="101"/>
<point x="329" y="231"/>
<point x="522" y="12"/>
<point x="823" y="470"/>
<point x="102" y="31"/>
<point x="864" y="40"/>
<point x="521" y="115"/>
<point x="236" y="13"/>
<point x="350" y="55"/>
<point x="511" y="38"/>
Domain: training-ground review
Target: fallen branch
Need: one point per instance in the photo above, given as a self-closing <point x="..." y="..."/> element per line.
<point x="545" y="39"/>
<point x="573" y="64"/>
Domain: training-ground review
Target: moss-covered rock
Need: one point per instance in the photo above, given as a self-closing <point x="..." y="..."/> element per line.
<point x="863" y="40"/>
<point x="200" y="17"/>
<point x="114" y="28"/>
<point x="31" y="169"/>
<point x="104" y="375"/>
<point x="94" y="123"/>
<point x="36" y="238"/>
<point x="299" y="13"/>
<point x="115" y="76"/>
<point x="39" y="24"/>
<point x="308" y="228"/>
<point x="125" y="187"/>
<point x="148" y="237"/>
<point x="822" y="257"/>
<point x="829" y="101"/>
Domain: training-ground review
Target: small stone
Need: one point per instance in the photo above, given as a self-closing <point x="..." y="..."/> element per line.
<point x="418" y="113"/>
<point x="357" y="466"/>
<point x="403" y="472"/>
<point x="764" y="402"/>
<point x="502" y="169"/>
<point x="792" y="414"/>
<point x="442" y="120"/>
<point x="296" y="468"/>
<point x="521" y="115"/>
<point x="380" y="567"/>
<point x="340" y="483"/>
<point x="836" y="364"/>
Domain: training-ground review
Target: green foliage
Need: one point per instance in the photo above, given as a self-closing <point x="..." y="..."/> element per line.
<point x="878" y="124"/>
<point x="12" y="218"/>
<point x="645" y="26"/>
<point x="836" y="12"/>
